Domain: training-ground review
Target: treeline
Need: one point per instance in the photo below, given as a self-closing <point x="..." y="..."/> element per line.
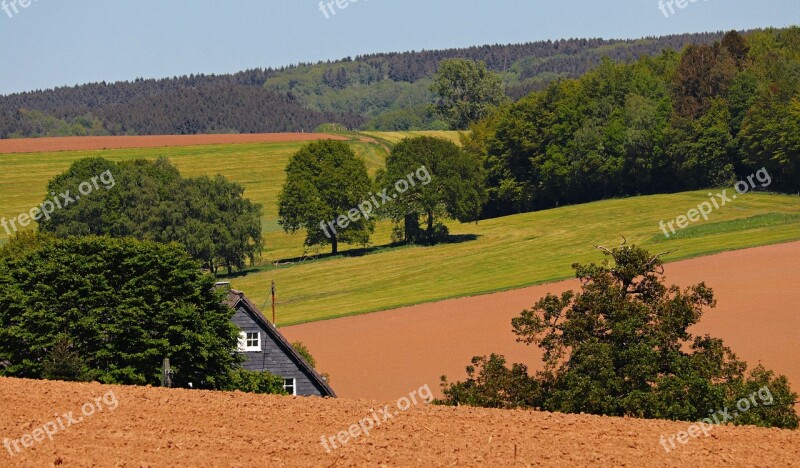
<point x="187" y="105"/>
<point x="707" y="116"/>
<point x="301" y="97"/>
<point x="392" y="90"/>
<point x="572" y="57"/>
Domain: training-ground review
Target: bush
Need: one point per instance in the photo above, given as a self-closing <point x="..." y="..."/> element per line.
<point x="303" y="351"/>
<point x="255" y="382"/>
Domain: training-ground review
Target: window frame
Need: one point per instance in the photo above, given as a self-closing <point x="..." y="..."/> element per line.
<point x="244" y="340"/>
<point x="293" y="385"/>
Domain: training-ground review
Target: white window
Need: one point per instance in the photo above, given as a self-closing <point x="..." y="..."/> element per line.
<point x="249" y="342"/>
<point x="290" y="385"/>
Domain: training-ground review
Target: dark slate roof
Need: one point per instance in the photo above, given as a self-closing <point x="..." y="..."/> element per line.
<point x="236" y="298"/>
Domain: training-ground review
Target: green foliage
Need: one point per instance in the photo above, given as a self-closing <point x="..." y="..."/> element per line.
<point x="350" y="91"/>
<point x="62" y="362"/>
<point x="448" y="183"/>
<point x="39" y="124"/>
<point x="122" y="304"/>
<point x="490" y="384"/>
<point x="467" y="92"/>
<point x="621" y="347"/>
<point x="254" y="382"/>
<point x="705" y="117"/>
<point x="150" y="200"/>
<point x="303" y="351"/>
<point x="325" y="181"/>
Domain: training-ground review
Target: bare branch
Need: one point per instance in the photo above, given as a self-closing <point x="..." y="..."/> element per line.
<point x="650" y="263"/>
<point x="624" y="241"/>
<point x="600" y="247"/>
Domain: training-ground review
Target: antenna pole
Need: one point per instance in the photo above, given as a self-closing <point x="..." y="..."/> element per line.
<point x="273" y="304"/>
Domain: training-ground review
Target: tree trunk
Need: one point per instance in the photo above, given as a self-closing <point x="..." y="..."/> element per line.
<point x="411" y="227"/>
<point x="430" y="227"/>
<point x="334" y="245"/>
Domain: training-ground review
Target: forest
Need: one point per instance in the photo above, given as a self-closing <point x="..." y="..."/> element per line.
<point x="379" y="91"/>
<point x="705" y="117"/>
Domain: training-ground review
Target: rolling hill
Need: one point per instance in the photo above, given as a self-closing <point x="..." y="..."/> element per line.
<point x="386" y="91"/>
<point x="494" y="255"/>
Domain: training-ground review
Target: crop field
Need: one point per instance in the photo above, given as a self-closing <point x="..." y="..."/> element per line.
<point x="177" y="427"/>
<point x="492" y="255"/>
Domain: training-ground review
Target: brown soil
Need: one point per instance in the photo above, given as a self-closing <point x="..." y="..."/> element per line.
<point x="164" y="427"/>
<point x="37" y="145"/>
<point x="386" y="354"/>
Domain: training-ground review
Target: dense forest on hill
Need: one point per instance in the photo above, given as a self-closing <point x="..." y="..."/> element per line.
<point x="708" y="116"/>
<point x="387" y="91"/>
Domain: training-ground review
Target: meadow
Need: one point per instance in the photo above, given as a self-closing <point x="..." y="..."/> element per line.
<point x="489" y="256"/>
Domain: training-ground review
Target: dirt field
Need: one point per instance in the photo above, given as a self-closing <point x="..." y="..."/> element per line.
<point x="37" y="145"/>
<point x="138" y="426"/>
<point x="386" y="354"/>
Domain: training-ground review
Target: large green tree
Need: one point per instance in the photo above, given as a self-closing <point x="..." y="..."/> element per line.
<point x="434" y="178"/>
<point x="149" y="200"/>
<point x="110" y="310"/>
<point x="622" y="347"/>
<point x="325" y="184"/>
<point x="467" y="92"/>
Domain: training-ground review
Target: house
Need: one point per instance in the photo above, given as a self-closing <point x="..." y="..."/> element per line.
<point x="266" y="349"/>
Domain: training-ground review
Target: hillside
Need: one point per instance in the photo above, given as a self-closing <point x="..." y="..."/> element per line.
<point x="392" y="86"/>
<point x="510" y="252"/>
<point x="153" y="426"/>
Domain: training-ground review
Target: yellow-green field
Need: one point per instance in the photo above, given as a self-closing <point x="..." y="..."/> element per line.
<point x="394" y="137"/>
<point x="493" y="255"/>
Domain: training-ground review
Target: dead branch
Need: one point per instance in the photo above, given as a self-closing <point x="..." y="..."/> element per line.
<point x="655" y="257"/>
<point x="600" y="247"/>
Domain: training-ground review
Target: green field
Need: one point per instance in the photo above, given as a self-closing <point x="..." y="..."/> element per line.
<point x="394" y="137"/>
<point x="493" y="255"/>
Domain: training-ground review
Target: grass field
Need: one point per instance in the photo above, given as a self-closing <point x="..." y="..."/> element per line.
<point x="394" y="137"/>
<point x="493" y="255"/>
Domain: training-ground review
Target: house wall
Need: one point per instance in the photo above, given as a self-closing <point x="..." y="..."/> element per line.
<point x="272" y="358"/>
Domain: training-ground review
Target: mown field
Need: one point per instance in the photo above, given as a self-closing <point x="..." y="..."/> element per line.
<point x="492" y="255"/>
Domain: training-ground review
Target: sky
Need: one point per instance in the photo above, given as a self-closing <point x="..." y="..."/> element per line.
<point x="49" y="43"/>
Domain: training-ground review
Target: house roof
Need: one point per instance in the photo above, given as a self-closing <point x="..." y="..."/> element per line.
<point x="236" y="298"/>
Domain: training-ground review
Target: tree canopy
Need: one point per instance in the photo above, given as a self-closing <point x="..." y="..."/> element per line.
<point x="440" y="181"/>
<point x="149" y="200"/>
<point x="622" y="347"/>
<point x="705" y="117"/>
<point x="99" y="308"/>
<point x="466" y="91"/>
<point x="325" y="183"/>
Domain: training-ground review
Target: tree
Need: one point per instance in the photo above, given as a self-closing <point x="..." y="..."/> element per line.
<point x="447" y="183"/>
<point x="622" y="347"/>
<point x="325" y="184"/>
<point x="150" y="200"/>
<point x="64" y="363"/>
<point x="119" y="306"/>
<point x="467" y="92"/>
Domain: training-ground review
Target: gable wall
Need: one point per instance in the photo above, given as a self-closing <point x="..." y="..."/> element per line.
<point x="272" y="358"/>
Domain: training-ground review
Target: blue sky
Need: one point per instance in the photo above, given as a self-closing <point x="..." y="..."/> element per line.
<point x="55" y="42"/>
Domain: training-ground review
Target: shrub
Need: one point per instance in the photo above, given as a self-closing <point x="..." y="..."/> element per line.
<point x="255" y="382"/>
